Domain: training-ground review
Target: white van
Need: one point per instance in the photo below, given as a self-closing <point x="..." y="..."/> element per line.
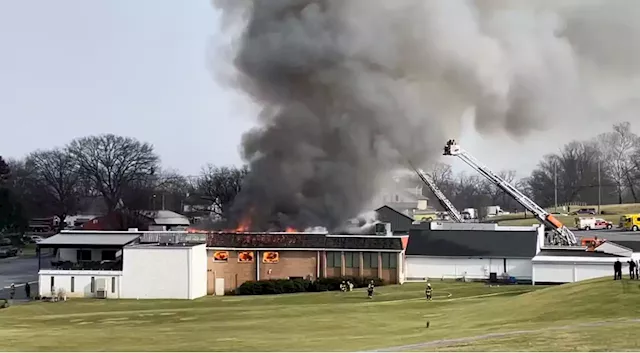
<point x="585" y="223"/>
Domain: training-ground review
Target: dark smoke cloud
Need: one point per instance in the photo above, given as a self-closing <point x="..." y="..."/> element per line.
<point x="350" y="89"/>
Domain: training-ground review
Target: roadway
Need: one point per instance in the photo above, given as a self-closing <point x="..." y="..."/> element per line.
<point x="609" y="234"/>
<point x="18" y="270"/>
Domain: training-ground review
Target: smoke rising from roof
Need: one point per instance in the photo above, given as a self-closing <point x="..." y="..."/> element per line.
<point x="350" y="89"/>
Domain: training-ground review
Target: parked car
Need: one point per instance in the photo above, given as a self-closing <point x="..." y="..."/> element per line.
<point x="591" y="211"/>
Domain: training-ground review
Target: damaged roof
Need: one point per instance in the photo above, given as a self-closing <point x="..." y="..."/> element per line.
<point x="303" y="241"/>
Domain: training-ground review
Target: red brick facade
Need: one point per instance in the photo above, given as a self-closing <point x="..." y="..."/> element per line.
<point x="302" y="263"/>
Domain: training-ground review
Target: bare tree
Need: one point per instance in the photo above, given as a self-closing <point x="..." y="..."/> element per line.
<point x="113" y="164"/>
<point x="495" y="194"/>
<point x="617" y="150"/>
<point x="5" y="171"/>
<point x="12" y="216"/>
<point x="220" y="185"/>
<point x="56" y="175"/>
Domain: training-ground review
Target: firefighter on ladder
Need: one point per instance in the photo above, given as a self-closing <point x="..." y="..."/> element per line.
<point x="428" y="291"/>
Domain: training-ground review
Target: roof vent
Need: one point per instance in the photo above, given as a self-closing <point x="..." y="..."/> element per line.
<point x="383" y="229"/>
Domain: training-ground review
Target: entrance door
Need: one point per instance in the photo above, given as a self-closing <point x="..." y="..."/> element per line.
<point x="219" y="290"/>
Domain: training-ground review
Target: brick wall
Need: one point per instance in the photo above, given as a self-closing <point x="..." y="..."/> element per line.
<point x="234" y="273"/>
<point x="291" y="264"/>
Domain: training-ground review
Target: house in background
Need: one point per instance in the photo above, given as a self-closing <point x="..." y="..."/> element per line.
<point x="400" y="222"/>
<point x="406" y="196"/>
<point x="162" y="220"/>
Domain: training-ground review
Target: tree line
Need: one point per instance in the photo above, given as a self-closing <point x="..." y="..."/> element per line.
<point x="102" y="174"/>
<point x="605" y="169"/>
<point x="123" y="173"/>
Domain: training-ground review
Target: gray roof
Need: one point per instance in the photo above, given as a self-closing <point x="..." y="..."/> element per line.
<point x="89" y="239"/>
<point x="472" y="243"/>
<point x="629" y="244"/>
<point x="165" y="217"/>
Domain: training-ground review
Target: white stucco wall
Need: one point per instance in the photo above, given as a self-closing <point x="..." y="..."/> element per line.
<point x="158" y="272"/>
<point x="81" y="287"/>
<point x="198" y="271"/>
<point x="556" y="269"/>
<point x="472" y="268"/>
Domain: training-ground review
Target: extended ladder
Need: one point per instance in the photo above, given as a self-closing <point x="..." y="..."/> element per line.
<point x="561" y="234"/>
<point x="444" y="201"/>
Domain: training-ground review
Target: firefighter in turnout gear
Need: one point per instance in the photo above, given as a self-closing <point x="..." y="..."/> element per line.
<point x="428" y="291"/>
<point x="370" y="290"/>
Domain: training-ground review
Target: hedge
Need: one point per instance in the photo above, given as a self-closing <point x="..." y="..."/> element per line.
<point x="280" y="286"/>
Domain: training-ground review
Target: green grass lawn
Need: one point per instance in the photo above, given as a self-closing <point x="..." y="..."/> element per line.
<point x="610" y="213"/>
<point x="329" y="321"/>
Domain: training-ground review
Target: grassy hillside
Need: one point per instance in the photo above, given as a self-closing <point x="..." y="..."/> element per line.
<point x="395" y="318"/>
<point x="609" y="212"/>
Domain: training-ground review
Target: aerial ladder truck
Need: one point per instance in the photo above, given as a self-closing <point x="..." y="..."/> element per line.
<point x="454" y="215"/>
<point x="560" y="235"/>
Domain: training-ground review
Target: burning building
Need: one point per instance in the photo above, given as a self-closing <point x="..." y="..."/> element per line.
<point x="235" y="257"/>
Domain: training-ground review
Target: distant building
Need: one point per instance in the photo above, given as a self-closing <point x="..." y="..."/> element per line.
<point x="406" y="196"/>
<point x="142" y="220"/>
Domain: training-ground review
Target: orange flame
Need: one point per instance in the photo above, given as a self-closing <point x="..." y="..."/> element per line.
<point x="291" y="230"/>
<point x="244" y="225"/>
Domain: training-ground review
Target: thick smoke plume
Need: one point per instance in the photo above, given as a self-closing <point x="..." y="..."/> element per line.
<point x="351" y="89"/>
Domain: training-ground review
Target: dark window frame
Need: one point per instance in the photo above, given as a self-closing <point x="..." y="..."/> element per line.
<point x="370" y="260"/>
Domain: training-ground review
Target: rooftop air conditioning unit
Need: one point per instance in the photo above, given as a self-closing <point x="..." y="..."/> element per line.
<point x="101" y="293"/>
<point x="383" y="229"/>
<point x="166" y="239"/>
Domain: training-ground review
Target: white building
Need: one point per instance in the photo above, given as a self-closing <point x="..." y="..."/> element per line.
<point x="171" y="271"/>
<point x="475" y="251"/>
<point x="471" y="251"/>
<point x="564" y="266"/>
<point x="115" y="265"/>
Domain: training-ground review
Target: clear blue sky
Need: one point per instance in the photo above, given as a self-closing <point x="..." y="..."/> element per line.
<point x="71" y="68"/>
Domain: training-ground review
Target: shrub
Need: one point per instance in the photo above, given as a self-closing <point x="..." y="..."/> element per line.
<point x="274" y="286"/>
<point x="280" y="286"/>
<point x="4" y="303"/>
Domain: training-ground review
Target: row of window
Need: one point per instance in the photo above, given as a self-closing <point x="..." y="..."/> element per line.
<point x="369" y="260"/>
<point x="93" y="284"/>
<point x="85" y="255"/>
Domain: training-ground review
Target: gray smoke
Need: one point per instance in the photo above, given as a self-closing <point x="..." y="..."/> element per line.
<point x="351" y="89"/>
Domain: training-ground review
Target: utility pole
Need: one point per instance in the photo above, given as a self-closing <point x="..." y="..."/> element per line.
<point x="599" y="188"/>
<point x="555" y="184"/>
<point x="163" y="201"/>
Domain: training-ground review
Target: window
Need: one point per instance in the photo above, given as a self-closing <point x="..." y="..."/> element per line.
<point x="93" y="284"/>
<point x="389" y="260"/>
<point x="113" y="284"/>
<point x="83" y="255"/>
<point x="352" y="260"/>
<point x="370" y="259"/>
<point x="109" y="255"/>
<point x="53" y="282"/>
<point x="73" y="284"/>
<point x="334" y="259"/>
